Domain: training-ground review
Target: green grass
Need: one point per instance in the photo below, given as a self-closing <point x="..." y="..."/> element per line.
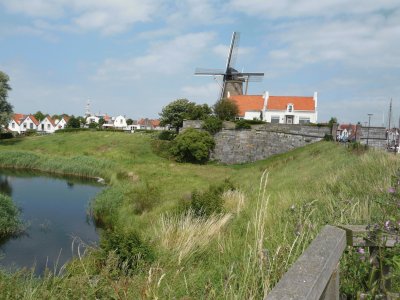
<point x="10" y="223"/>
<point x="247" y="248"/>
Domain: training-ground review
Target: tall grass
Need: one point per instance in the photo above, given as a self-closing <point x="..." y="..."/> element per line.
<point x="10" y="222"/>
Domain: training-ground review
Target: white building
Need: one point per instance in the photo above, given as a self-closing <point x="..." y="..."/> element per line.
<point x="120" y="122"/>
<point x="20" y="123"/>
<point x="61" y="124"/>
<point x="277" y="109"/>
<point x="92" y="119"/>
<point x="47" y="125"/>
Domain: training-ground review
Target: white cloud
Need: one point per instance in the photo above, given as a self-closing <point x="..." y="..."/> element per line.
<point x="311" y="8"/>
<point x="107" y="16"/>
<point x="201" y="93"/>
<point x="163" y="58"/>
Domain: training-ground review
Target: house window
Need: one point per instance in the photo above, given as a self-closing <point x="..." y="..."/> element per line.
<point x="24" y="125"/>
<point x="31" y="125"/>
<point x="275" y="119"/>
<point x="48" y="126"/>
<point x="290" y="108"/>
<point x="303" y="120"/>
<point x="12" y="125"/>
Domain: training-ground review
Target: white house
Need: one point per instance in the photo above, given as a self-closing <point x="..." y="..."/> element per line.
<point x="47" y="125"/>
<point x="120" y="122"/>
<point x="20" y="123"/>
<point x="61" y="124"/>
<point x="92" y="119"/>
<point x="277" y="109"/>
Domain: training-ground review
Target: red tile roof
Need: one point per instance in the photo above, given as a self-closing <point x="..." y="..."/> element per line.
<point x="18" y="118"/>
<point x="50" y="120"/>
<point x="248" y="103"/>
<point x="299" y="103"/>
<point x="32" y="117"/>
<point x="155" y="123"/>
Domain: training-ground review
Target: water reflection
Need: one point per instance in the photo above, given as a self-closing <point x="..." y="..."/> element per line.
<point x="55" y="212"/>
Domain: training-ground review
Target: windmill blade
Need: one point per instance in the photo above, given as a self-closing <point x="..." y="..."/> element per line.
<point x="232" y="54"/>
<point x="213" y="72"/>
<point x="223" y="88"/>
<point x="253" y="74"/>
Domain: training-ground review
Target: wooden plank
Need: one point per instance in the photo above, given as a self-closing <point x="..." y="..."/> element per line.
<point x="310" y="274"/>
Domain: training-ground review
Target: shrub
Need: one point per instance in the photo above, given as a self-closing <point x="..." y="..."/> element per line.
<point x="226" y="109"/>
<point x="167" y="135"/>
<point x="328" y="137"/>
<point x="144" y="197"/>
<point x="130" y="249"/>
<point x="67" y="130"/>
<point x="212" y="125"/>
<point x="211" y="201"/>
<point x="192" y="146"/>
<point x="10" y="223"/>
<point x="30" y="132"/>
<point x="242" y="124"/>
<point x="6" y="135"/>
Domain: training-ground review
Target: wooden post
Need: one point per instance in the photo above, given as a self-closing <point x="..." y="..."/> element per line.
<point x="331" y="291"/>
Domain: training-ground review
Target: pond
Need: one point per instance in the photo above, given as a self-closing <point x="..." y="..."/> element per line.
<point x="55" y="211"/>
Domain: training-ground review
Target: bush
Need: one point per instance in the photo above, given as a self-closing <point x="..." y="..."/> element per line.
<point x="328" y="137"/>
<point x="212" y="125"/>
<point x="68" y="130"/>
<point x="30" y="132"/>
<point x="10" y="223"/>
<point x="211" y="201"/>
<point x="130" y="249"/>
<point x="144" y="197"/>
<point x="192" y="146"/>
<point x="6" y="135"/>
<point x="242" y="124"/>
<point x="167" y="135"/>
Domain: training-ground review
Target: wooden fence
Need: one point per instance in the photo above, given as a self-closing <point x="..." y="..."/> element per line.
<point x="315" y="275"/>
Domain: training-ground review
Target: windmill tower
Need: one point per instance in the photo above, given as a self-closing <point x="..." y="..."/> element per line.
<point x="87" y="109"/>
<point x="232" y="79"/>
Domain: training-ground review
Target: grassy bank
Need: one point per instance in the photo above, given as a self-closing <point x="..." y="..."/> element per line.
<point x="278" y="207"/>
<point x="10" y="223"/>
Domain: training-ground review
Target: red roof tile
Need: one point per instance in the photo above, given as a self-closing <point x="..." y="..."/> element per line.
<point x="32" y="117"/>
<point x="18" y="118"/>
<point x="248" y="103"/>
<point x="299" y="103"/>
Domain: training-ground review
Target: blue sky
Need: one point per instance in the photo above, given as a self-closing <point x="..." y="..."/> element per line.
<point x="133" y="57"/>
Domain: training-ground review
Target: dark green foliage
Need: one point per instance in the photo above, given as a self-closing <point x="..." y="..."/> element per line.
<point x="212" y="124"/>
<point x="6" y="135"/>
<point x="167" y="135"/>
<point x="226" y="109"/>
<point x="192" y="146"/>
<point x="73" y="123"/>
<point x="10" y="223"/>
<point x="101" y="122"/>
<point x="328" y="137"/>
<point x="6" y="108"/>
<point x="129" y="121"/>
<point x="39" y="115"/>
<point x="130" y="249"/>
<point x="93" y="125"/>
<point x="332" y="121"/>
<point x="209" y="202"/>
<point x="242" y="124"/>
<point x="254" y="122"/>
<point x="30" y="132"/>
<point x="144" y="197"/>
<point x="182" y="109"/>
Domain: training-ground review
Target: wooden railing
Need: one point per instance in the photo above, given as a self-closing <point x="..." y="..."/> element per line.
<point x="315" y="274"/>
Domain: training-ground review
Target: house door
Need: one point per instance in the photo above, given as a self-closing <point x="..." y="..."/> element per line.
<point x="289" y="119"/>
<point x="42" y="127"/>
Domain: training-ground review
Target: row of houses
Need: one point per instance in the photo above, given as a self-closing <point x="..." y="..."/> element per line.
<point x="21" y="123"/>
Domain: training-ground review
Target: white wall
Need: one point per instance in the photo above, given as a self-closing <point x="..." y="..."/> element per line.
<point x="267" y="115"/>
<point x="120" y="122"/>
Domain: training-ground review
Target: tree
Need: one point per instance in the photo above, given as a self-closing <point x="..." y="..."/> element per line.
<point x="129" y="122"/>
<point x="182" y="109"/>
<point x="192" y="146"/>
<point x="226" y="109"/>
<point x="6" y="109"/>
<point x="212" y="124"/>
<point x="332" y="121"/>
<point x="73" y="123"/>
<point x="39" y="115"/>
<point x="101" y="122"/>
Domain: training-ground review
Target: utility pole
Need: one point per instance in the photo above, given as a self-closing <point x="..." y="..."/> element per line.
<point x="369" y="125"/>
<point x="388" y="142"/>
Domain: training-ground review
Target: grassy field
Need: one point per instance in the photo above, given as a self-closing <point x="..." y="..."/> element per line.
<point x="279" y="206"/>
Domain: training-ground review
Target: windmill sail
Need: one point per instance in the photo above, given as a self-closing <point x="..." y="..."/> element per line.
<point x="232" y="79"/>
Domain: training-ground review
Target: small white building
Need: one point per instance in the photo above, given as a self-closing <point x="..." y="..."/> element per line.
<point x="120" y="122"/>
<point x="47" y="125"/>
<point x="61" y="124"/>
<point x="277" y="109"/>
<point x="92" y="119"/>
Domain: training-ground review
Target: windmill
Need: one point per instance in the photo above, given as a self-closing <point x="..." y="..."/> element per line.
<point x="232" y="79"/>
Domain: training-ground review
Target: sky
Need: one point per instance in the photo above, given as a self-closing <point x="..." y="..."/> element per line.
<point x="132" y="57"/>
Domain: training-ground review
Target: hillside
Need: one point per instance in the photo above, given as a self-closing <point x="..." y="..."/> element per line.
<point x="278" y="206"/>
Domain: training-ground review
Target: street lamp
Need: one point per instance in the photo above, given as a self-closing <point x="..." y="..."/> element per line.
<point x="369" y="125"/>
